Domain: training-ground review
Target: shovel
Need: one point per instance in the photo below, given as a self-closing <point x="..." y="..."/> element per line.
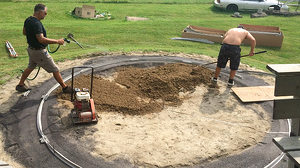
<point x="241" y="56"/>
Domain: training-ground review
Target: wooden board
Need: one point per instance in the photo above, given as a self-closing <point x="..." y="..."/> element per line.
<point x="286" y="144"/>
<point x="287" y="108"/>
<point x="284" y="69"/>
<point x="257" y="93"/>
<point x="294" y="156"/>
<point x="3" y="163"/>
<point x="287" y="85"/>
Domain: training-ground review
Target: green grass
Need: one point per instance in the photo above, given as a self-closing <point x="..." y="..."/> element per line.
<point x="167" y="19"/>
<point x="118" y="1"/>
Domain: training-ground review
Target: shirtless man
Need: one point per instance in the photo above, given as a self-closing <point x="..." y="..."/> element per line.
<point x="231" y="49"/>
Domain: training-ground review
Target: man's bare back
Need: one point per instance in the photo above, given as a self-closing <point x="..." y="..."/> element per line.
<point x="235" y="36"/>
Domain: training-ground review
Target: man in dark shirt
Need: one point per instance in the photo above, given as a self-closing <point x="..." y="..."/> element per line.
<point x="37" y="42"/>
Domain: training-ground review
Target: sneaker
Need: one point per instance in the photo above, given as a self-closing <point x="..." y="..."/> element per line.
<point x="22" y="88"/>
<point x="214" y="80"/>
<point x="67" y="89"/>
<point x="230" y="84"/>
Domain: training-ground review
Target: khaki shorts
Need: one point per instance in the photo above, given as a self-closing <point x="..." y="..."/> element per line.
<point x="41" y="58"/>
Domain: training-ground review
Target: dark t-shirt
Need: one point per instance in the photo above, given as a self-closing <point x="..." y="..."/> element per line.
<point x="33" y="26"/>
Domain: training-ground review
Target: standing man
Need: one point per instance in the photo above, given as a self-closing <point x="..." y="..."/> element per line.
<point x="231" y="49"/>
<point x="37" y="42"/>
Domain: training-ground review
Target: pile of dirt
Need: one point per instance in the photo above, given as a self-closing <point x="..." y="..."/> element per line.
<point x="143" y="90"/>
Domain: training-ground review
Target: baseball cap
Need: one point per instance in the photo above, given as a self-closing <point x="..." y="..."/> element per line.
<point x="241" y="27"/>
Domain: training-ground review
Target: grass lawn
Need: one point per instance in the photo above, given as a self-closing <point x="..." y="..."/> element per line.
<point x="167" y="20"/>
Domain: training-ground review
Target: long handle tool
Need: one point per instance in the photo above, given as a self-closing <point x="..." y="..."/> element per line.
<point x="241" y="56"/>
<point x="70" y="35"/>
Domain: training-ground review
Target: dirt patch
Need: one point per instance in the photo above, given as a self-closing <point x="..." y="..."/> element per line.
<point x="175" y="135"/>
<point x="133" y="18"/>
<point x="171" y="115"/>
<point x="142" y="91"/>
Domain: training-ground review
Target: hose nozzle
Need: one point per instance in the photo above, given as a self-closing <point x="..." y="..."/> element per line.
<point x="66" y="40"/>
<point x="70" y="35"/>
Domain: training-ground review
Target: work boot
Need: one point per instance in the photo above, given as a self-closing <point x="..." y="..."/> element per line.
<point x="67" y="89"/>
<point x="22" y="88"/>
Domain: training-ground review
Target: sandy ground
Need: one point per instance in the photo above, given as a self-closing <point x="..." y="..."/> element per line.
<point x="211" y="123"/>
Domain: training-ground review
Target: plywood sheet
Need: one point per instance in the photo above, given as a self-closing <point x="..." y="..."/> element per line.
<point x="3" y="163"/>
<point x="257" y="93"/>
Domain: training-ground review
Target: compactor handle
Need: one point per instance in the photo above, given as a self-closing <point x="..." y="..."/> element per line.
<point x="87" y="66"/>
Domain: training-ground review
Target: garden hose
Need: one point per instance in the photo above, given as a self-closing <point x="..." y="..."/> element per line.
<point x="54" y="50"/>
<point x="65" y="39"/>
<point x="35" y="74"/>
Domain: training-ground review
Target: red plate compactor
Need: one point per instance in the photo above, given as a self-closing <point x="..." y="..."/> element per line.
<point x="84" y="107"/>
